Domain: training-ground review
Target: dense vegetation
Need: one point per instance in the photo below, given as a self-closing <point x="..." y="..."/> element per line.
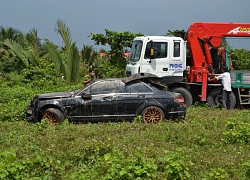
<point x="210" y="144"/>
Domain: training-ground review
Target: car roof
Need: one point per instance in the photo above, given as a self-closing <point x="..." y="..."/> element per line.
<point x="142" y="76"/>
<point x="145" y="77"/>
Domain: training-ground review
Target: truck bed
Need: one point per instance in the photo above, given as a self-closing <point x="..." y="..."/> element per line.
<point x="240" y="79"/>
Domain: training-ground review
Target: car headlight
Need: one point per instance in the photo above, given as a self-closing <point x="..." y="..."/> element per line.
<point x="29" y="110"/>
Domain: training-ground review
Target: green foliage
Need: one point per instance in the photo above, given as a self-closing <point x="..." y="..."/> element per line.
<point x="66" y="62"/>
<point x="117" y="42"/>
<point x="173" y="165"/>
<point x="88" y="55"/>
<point x="116" y="165"/>
<point x="11" y="65"/>
<point x="106" y="69"/>
<point x="240" y="59"/>
<point x="34" y="40"/>
<point x="237" y="132"/>
<point x="17" y="50"/>
<point x="138" y="119"/>
<point x="25" y="49"/>
<point x="17" y="90"/>
<point x="38" y="166"/>
<point x="246" y="167"/>
<point x="177" y="33"/>
<point x="218" y="174"/>
<point x="56" y="57"/>
<point x="72" y="67"/>
<point x="10" y="33"/>
<point x="5" y="75"/>
<point x="210" y="144"/>
<point x="64" y="31"/>
<point x="125" y="150"/>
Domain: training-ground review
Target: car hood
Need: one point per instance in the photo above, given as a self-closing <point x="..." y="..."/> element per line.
<point x="54" y="95"/>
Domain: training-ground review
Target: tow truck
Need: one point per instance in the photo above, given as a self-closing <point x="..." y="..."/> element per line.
<point x="190" y="75"/>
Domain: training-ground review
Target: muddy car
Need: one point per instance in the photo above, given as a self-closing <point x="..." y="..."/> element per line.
<point x="110" y="100"/>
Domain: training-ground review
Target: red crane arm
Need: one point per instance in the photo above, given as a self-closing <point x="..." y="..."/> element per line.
<point x="213" y="32"/>
<point x="209" y="34"/>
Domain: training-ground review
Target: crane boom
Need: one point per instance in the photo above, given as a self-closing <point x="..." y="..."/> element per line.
<point x="209" y="35"/>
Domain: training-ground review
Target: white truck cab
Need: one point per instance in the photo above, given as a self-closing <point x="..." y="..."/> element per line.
<point x="164" y="56"/>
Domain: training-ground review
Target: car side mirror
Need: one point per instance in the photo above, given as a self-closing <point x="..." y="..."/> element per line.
<point x="86" y="96"/>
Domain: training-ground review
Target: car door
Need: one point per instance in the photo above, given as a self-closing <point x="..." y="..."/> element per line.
<point x="96" y="108"/>
<point x="126" y="104"/>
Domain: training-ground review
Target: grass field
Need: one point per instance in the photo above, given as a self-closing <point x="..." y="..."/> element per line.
<point x="209" y="144"/>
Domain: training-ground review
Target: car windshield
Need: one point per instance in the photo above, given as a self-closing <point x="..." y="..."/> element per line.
<point x="135" y="51"/>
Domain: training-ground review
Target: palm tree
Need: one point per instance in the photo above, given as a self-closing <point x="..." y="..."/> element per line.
<point x="22" y="48"/>
<point x="17" y="51"/>
<point x="6" y="57"/>
<point x="34" y="41"/>
<point x="88" y="55"/>
<point x="10" y="33"/>
<point x="65" y="61"/>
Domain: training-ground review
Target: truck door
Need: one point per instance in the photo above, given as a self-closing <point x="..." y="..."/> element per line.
<point x="177" y="58"/>
<point x="159" y="65"/>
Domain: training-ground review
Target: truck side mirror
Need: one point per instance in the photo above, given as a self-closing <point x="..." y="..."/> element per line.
<point x="153" y="53"/>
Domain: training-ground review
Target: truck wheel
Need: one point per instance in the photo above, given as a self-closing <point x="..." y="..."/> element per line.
<point x="152" y="114"/>
<point x="215" y="96"/>
<point x="54" y="116"/>
<point x="185" y="93"/>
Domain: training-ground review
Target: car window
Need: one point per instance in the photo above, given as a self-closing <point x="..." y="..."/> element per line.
<point x="105" y="87"/>
<point x="138" y="87"/>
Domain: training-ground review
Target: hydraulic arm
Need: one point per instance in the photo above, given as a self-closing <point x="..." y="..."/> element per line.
<point x="203" y="36"/>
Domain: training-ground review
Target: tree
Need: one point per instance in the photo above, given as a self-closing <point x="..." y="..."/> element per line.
<point x="117" y="42"/>
<point x="67" y="60"/>
<point x="25" y="48"/>
<point x="10" y="33"/>
<point x="88" y="55"/>
<point x="34" y="42"/>
<point x="17" y="51"/>
<point x="8" y="62"/>
<point x="177" y="33"/>
<point x="240" y="59"/>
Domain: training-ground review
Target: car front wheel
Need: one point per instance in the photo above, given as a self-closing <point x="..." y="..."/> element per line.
<point x="54" y="116"/>
<point x="152" y="114"/>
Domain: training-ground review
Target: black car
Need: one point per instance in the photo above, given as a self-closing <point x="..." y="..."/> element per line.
<point x="110" y="100"/>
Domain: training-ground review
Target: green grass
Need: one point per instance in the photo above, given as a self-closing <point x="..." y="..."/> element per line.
<point x="210" y="144"/>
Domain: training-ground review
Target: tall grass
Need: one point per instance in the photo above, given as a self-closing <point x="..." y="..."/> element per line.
<point x="209" y="144"/>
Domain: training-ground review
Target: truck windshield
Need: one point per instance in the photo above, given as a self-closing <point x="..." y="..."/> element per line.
<point x="135" y="51"/>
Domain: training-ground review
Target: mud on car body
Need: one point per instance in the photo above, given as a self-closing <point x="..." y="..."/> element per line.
<point x="109" y="100"/>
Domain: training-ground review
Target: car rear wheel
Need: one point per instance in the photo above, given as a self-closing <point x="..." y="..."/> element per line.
<point x="152" y="114"/>
<point x="54" y="116"/>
